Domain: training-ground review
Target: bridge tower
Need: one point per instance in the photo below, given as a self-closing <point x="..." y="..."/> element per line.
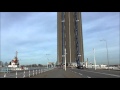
<point x="69" y="36"/>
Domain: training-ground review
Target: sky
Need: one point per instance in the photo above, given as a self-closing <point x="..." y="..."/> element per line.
<point x="34" y="36"/>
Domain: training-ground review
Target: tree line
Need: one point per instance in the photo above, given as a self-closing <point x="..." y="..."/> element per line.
<point x="3" y="63"/>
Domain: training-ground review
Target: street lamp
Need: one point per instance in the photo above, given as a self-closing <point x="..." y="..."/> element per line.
<point x="107" y="51"/>
<point x="94" y="59"/>
<point x="79" y="55"/>
<point x="48" y="60"/>
<point x="119" y="39"/>
<point x="48" y="63"/>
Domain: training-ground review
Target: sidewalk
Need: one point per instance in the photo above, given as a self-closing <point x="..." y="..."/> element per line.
<point x="57" y="73"/>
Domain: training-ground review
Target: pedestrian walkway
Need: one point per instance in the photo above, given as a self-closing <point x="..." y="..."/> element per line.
<point x="57" y="73"/>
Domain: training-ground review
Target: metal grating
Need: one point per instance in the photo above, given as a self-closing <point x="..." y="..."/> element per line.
<point x="63" y="32"/>
<point x="76" y="38"/>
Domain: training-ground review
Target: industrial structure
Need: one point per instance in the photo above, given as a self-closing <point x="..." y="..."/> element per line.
<point x="14" y="62"/>
<point x="69" y="36"/>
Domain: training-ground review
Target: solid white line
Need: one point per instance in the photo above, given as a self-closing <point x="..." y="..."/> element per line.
<point x="80" y="73"/>
<point x="104" y="73"/>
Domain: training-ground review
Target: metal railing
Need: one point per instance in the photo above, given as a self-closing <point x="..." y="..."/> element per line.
<point x="24" y="73"/>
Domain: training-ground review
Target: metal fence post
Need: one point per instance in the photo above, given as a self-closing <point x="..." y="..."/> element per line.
<point x="4" y="75"/>
<point x="33" y="72"/>
<point x="36" y="71"/>
<point x="16" y="74"/>
<point x="39" y="71"/>
<point x="24" y="74"/>
<point x="29" y="73"/>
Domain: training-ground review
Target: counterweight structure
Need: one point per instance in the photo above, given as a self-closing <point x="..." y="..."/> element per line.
<point x="69" y="36"/>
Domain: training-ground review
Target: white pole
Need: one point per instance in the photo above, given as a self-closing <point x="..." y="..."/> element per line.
<point x="94" y="59"/>
<point x="24" y="74"/>
<point x="29" y="73"/>
<point x="47" y="65"/>
<point x="33" y="72"/>
<point x="36" y="71"/>
<point x="69" y="38"/>
<point x="16" y="74"/>
<point x="4" y="75"/>
<point x="65" y="59"/>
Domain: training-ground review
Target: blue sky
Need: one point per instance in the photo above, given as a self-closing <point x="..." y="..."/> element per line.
<point x="34" y="34"/>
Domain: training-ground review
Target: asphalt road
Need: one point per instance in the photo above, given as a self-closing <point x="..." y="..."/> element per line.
<point x="91" y="73"/>
<point x="57" y="73"/>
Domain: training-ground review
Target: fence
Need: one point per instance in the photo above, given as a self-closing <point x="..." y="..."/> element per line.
<point x="24" y="73"/>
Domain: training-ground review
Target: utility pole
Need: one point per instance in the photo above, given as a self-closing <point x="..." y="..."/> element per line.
<point x="69" y="39"/>
<point x="87" y="63"/>
<point x="119" y="39"/>
<point x="16" y="54"/>
<point x="65" y="59"/>
<point x="94" y="59"/>
<point x="107" y="53"/>
<point x="47" y="60"/>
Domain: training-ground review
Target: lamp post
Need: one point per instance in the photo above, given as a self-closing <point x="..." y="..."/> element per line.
<point x="107" y="51"/>
<point x="94" y="59"/>
<point x="119" y="39"/>
<point x="64" y="65"/>
<point x="65" y="59"/>
<point x="48" y="60"/>
<point x="69" y="38"/>
<point x="79" y="55"/>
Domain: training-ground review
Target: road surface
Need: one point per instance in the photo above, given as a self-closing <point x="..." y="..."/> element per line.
<point x="91" y="73"/>
<point x="58" y="73"/>
<point x="61" y="73"/>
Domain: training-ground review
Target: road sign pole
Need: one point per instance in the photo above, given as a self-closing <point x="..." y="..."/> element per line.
<point x="94" y="59"/>
<point x="65" y="59"/>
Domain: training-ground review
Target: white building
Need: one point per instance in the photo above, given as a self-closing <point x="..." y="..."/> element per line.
<point x="14" y="63"/>
<point x="74" y="64"/>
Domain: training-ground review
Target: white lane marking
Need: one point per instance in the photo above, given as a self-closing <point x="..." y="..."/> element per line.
<point x="88" y="77"/>
<point x="103" y="73"/>
<point x="73" y="71"/>
<point x="80" y="73"/>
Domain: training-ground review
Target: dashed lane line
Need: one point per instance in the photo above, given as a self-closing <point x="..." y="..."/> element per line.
<point x="88" y="77"/>
<point x="103" y="73"/>
<point x="80" y="73"/>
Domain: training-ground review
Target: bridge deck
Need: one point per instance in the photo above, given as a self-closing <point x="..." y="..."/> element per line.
<point x="57" y="73"/>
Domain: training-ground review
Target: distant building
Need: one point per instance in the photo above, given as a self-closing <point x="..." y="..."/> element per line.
<point x="50" y="64"/>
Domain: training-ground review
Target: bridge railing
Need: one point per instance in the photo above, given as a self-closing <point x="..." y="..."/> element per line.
<point x="24" y="73"/>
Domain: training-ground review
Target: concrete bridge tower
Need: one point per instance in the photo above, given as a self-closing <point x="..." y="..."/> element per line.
<point x="69" y="36"/>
